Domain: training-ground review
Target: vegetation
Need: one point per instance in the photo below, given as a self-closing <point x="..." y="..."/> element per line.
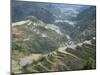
<point x="90" y="64"/>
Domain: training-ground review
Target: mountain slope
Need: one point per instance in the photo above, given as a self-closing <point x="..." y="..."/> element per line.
<point x="86" y="25"/>
<point x="38" y="47"/>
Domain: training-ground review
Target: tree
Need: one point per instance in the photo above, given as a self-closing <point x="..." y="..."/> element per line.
<point x="90" y="64"/>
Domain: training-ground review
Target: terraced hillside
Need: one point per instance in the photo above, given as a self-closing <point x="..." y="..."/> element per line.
<point x="45" y="40"/>
<point x="43" y="50"/>
<point x="63" y="59"/>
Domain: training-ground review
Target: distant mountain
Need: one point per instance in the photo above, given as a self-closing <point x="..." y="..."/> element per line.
<point x="86" y="26"/>
<point x="47" y="12"/>
<point x="21" y="10"/>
